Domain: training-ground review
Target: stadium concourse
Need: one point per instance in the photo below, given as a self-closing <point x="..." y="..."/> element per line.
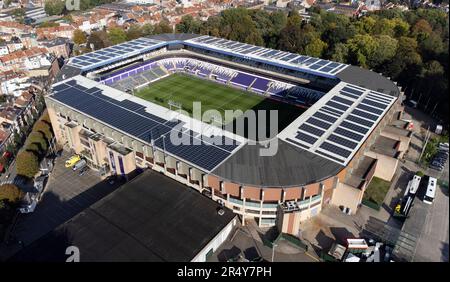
<point x="118" y="107"/>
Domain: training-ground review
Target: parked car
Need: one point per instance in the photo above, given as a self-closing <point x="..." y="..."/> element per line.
<point x="80" y="164"/>
<point x="72" y="160"/>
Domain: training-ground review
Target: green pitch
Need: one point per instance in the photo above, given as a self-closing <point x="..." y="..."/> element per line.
<point x="185" y="89"/>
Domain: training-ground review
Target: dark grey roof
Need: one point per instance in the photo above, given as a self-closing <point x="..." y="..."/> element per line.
<point x="67" y="72"/>
<point x="290" y="166"/>
<point x="151" y="218"/>
<point x="368" y="79"/>
<point x="174" y="36"/>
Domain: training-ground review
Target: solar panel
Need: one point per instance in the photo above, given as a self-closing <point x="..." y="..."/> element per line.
<point x="348" y="134"/>
<point x="360" y="121"/>
<point x="335" y="149"/>
<point x="374" y="104"/>
<point x="336" y="105"/>
<point x="379" y="99"/>
<point x="364" y="115"/>
<point x="337" y="112"/>
<point x="354" y="127"/>
<point x="342" y="141"/>
<point x="342" y="100"/>
<point x="318" y="123"/>
<point x="353" y="91"/>
<point x="369" y="109"/>
<point x="325" y="117"/>
<point x="131" y="118"/>
<point x="311" y="129"/>
<point x="348" y="95"/>
<point x="306" y="138"/>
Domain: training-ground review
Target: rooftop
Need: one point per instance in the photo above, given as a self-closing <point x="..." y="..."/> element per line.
<point x="385" y="146"/>
<point x="151" y="218"/>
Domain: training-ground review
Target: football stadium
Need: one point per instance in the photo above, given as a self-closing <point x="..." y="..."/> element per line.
<point x="338" y="125"/>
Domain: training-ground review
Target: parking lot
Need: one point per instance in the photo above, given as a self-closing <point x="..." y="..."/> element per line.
<point x="430" y="224"/>
<point x="65" y="195"/>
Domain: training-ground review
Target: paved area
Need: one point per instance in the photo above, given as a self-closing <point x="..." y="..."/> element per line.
<point x="431" y="224"/>
<point x="242" y="241"/>
<point x="65" y="195"/>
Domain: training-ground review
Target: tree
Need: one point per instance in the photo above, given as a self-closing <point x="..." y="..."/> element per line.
<point x="386" y="48"/>
<point x="10" y="193"/>
<point x="237" y="25"/>
<point x="98" y="40"/>
<point x="361" y="49"/>
<point x="54" y="7"/>
<point x="37" y="141"/>
<point x="48" y="24"/>
<point x="188" y="25"/>
<point x="79" y="37"/>
<point x="116" y="35"/>
<point x="44" y="128"/>
<point x="27" y="164"/>
<point x="340" y="53"/>
<point x="147" y="29"/>
<point x="315" y="48"/>
<point x="133" y="32"/>
<point x="422" y="26"/>
<point x="162" y="27"/>
<point x="384" y="27"/>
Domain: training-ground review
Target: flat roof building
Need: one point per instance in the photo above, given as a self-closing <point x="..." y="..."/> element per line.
<point x="150" y="218"/>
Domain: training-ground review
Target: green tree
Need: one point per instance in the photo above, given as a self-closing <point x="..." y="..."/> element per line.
<point x="10" y="193"/>
<point x="48" y="24"/>
<point x="116" y="35"/>
<point x="386" y="48"/>
<point x="43" y="128"/>
<point x="54" y="7"/>
<point x="361" y="49"/>
<point x="147" y="29"/>
<point x="162" y="27"/>
<point x="188" y="25"/>
<point x="340" y="53"/>
<point x="315" y="48"/>
<point x="134" y="32"/>
<point x="27" y="164"/>
<point x="37" y="141"/>
<point x="79" y="37"/>
<point x="98" y="40"/>
<point x="237" y="24"/>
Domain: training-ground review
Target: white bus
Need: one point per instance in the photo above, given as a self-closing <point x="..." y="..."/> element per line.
<point x="431" y="191"/>
<point x="413" y="185"/>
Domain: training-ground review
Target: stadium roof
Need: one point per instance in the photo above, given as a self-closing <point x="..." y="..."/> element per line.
<point x="337" y="125"/>
<point x="270" y="56"/>
<point x="115" y="53"/>
<point x="151" y="218"/>
<point x="145" y="121"/>
<point x="290" y="166"/>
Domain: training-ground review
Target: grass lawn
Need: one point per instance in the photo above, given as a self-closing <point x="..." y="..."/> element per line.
<point x="377" y="190"/>
<point x="185" y="89"/>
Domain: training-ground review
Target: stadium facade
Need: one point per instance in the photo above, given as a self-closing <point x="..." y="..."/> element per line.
<point x="327" y="155"/>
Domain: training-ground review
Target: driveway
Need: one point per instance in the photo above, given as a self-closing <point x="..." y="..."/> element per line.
<point x="65" y="195"/>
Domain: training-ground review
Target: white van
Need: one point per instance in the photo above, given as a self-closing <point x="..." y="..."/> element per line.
<point x="79" y="164"/>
